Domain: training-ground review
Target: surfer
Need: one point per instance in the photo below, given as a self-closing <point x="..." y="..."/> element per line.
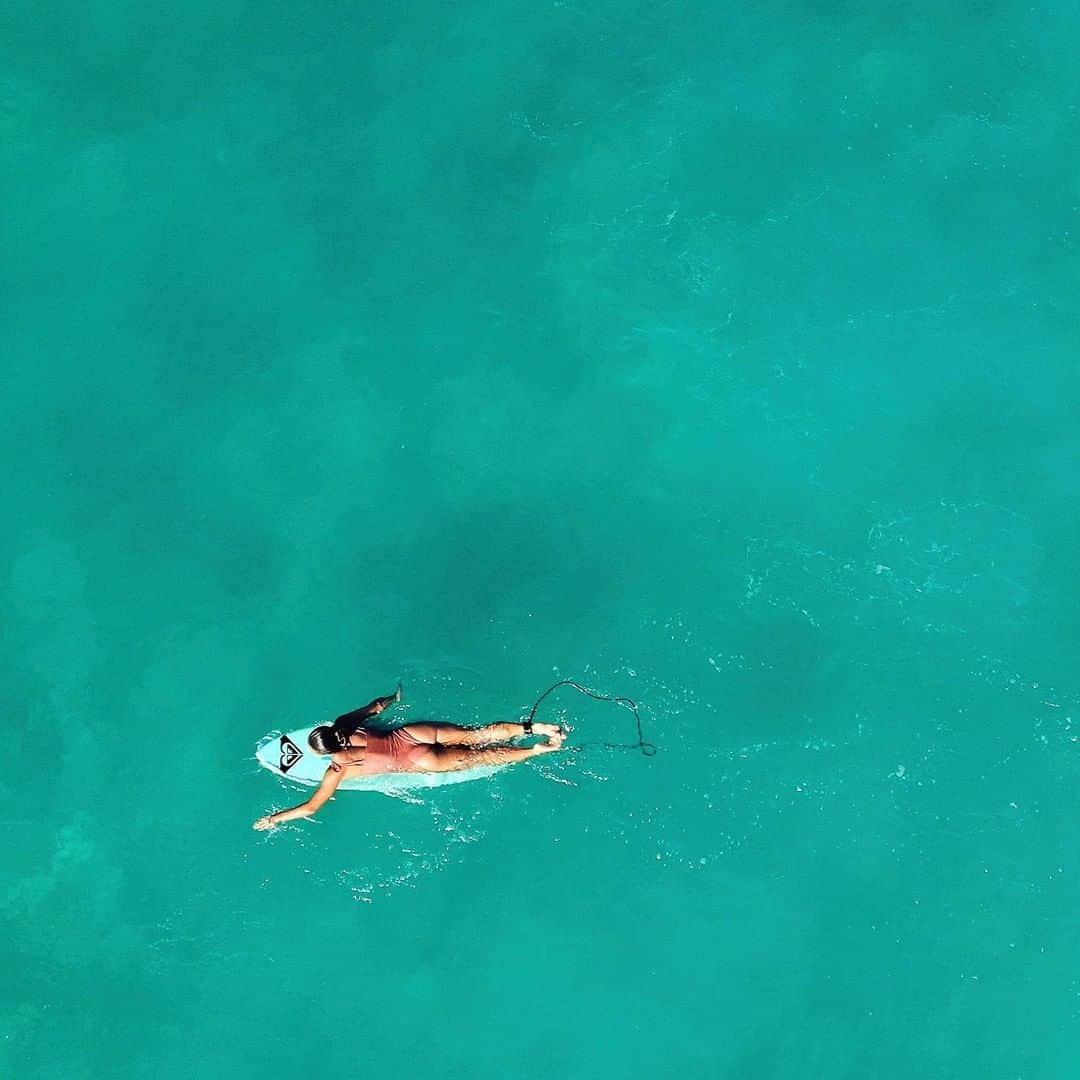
<point x="355" y="751"/>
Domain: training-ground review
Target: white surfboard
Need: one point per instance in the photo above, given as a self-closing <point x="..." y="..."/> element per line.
<point x="288" y="755"/>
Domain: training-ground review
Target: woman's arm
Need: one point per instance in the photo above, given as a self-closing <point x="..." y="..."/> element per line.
<point x="350" y="721"/>
<point x="327" y="788"/>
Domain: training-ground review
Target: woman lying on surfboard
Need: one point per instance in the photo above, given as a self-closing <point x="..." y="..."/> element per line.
<point x="355" y="751"/>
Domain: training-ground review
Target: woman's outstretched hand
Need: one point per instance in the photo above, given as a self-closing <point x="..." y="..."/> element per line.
<point x="266" y="822"/>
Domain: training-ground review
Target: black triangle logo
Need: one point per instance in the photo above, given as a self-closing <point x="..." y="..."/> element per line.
<point x="290" y="753"/>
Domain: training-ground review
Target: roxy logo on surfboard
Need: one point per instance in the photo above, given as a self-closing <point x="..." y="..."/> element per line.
<point x="290" y="754"/>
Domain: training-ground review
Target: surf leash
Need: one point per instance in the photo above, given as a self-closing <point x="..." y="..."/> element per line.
<point x="647" y="748"/>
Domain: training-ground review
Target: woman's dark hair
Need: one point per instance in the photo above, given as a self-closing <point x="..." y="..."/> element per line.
<point x="324" y="740"/>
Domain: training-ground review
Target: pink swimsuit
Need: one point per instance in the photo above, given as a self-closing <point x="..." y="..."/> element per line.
<point x="391" y="751"/>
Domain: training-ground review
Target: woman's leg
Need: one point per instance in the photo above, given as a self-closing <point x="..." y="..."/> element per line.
<point x="452" y="735"/>
<point x="455" y="758"/>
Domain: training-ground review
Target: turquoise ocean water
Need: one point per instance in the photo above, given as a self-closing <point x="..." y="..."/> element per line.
<point x="720" y="356"/>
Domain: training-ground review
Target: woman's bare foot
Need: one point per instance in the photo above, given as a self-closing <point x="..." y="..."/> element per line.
<point x="547" y="729"/>
<point x="555" y="740"/>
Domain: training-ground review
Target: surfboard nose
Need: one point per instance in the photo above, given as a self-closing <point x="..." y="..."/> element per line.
<point x="267" y="750"/>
